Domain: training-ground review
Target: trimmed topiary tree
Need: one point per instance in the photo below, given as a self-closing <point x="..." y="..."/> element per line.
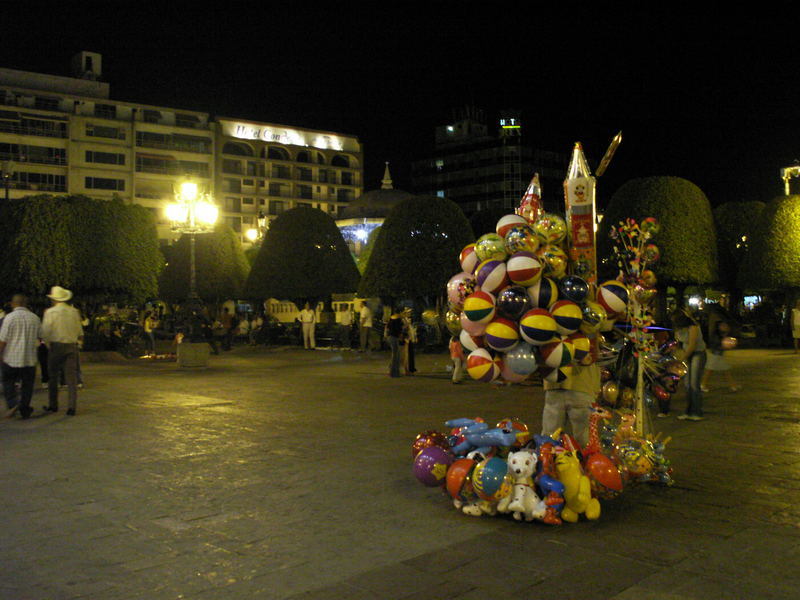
<point x="303" y="257"/>
<point x="102" y="250"/>
<point x="417" y="249"/>
<point x="772" y="260"/>
<point x="687" y="238"/>
<point x="221" y="267"/>
<point x="735" y="223"/>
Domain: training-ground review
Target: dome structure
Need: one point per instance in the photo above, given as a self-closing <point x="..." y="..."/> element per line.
<point x="368" y="211"/>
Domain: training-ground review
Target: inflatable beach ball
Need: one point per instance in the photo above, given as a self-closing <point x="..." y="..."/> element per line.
<point x="581" y="345"/>
<point x="556" y="375"/>
<point x="554" y="260"/>
<point x="491" y="276"/>
<point x="482" y="366"/>
<point x="491" y="247"/>
<point x="543" y="293"/>
<point x="479" y="307"/>
<point x="469" y="341"/>
<point x="556" y="354"/>
<point x="568" y="316"/>
<point x="506" y="223"/>
<point x="537" y="327"/>
<point x="613" y="296"/>
<point x="501" y="334"/>
<point x="430" y="466"/>
<point x="523" y="268"/>
<point x="468" y="259"/>
<point x="521" y="238"/>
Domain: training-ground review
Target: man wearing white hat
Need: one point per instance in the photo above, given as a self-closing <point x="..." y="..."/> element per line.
<point x="62" y="332"/>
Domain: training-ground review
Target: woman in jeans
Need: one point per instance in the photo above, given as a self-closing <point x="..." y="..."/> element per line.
<point x="688" y="334"/>
<point x="394" y="333"/>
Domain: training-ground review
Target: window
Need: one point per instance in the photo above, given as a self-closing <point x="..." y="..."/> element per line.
<point x="232" y="185"/>
<point x="247" y="201"/>
<point x="304" y="191"/>
<point x="281" y="172"/>
<point x="347" y="179"/>
<point x="237" y="149"/>
<point x="303" y="157"/>
<point x="233" y="204"/>
<point x="151" y="116"/>
<point x="107" y="158"/>
<point x="39" y="181"/>
<point x="340" y="161"/>
<point x="102" y="183"/>
<point x="276" y="207"/>
<point x="33" y="154"/>
<point x="304" y="174"/>
<point x="235" y="223"/>
<point x="277" y="153"/>
<point x="44" y="103"/>
<point x="105" y="111"/>
<point x="114" y="133"/>
<point x="231" y="166"/>
<point x="184" y="120"/>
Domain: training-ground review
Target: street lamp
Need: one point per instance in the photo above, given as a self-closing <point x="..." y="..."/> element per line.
<point x="7" y="170"/>
<point x="192" y="212"/>
<point x="255" y="234"/>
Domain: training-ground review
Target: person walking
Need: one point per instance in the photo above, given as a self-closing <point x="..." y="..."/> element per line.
<point x="365" y="326"/>
<point x="393" y="333"/>
<point x="457" y="356"/>
<point x="308" y="321"/>
<point x="62" y="332"/>
<point x="688" y="334"/>
<point x="719" y="330"/>
<point x="19" y="336"/>
<point x="149" y="325"/>
<point x="255" y="329"/>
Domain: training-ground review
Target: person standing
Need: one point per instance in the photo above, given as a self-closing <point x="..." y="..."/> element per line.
<point x="255" y="329"/>
<point x="410" y="339"/>
<point x="62" y="332"/>
<point x="149" y="325"/>
<point x="19" y="336"/>
<point x="365" y="326"/>
<point x="796" y="326"/>
<point x="308" y="321"/>
<point x="393" y="332"/>
<point x="688" y="334"/>
<point x="346" y="325"/>
<point x="227" y="326"/>
<point x="715" y="361"/>
<point x="457" y="356"/>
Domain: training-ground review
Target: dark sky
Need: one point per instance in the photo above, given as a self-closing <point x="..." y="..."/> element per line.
<point x="709" y="98"/>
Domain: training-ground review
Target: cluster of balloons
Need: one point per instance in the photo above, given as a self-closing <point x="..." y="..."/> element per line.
<point x="479" y="468"/>
<point x="514" y="308"/>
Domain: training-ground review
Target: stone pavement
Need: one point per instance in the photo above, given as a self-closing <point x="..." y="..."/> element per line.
<point x="286" y="474"/>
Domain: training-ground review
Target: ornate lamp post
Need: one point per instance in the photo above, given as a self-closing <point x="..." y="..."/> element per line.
<point x="7" y="170"/>
<point x="257" y="234"/>
<point x="192" y="212"/>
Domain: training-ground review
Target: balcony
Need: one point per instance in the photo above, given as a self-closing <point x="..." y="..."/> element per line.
<point x="8" y="127"/>
<point x="37" y="187"/>
<point x="38" y="160"/>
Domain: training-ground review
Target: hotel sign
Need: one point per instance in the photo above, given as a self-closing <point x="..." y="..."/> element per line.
<point x="292" y="137"/>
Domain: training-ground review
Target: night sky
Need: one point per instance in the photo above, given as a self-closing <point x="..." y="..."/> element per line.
<point x="709" y="98"/>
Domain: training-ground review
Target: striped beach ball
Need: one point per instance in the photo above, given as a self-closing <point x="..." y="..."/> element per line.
<point x="469" y="341"/>
<point x="537" y="326"/>
<point x="581" y="345"/>
<point x="468" y="259"/>
<point x="613" y="296"/>
<point x="524" y="268"/>
<point x="556" y="354"/>
<point x="482" y="366"/>
<point x="501" y="334"/>
<point x="568" y="316"/>
<point x="556" y="375"/>
<point x="543" y="293"/>
<point x="505" y="224"/>
<point x="479" y="307"/>
<point x="492" y="276"/>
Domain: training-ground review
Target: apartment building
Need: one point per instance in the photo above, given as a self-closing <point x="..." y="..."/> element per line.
<point x="64" y="135"/>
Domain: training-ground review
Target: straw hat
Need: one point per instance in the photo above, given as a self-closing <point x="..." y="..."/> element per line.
<point x="59" y="294"/>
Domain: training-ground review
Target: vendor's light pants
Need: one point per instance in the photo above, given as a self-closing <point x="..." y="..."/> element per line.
<point x="308" y="335"/>
<point x="458" y="373"/>
<point x="567" y="406"/>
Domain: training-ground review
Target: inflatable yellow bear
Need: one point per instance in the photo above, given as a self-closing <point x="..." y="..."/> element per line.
<point x="577" y="489"/>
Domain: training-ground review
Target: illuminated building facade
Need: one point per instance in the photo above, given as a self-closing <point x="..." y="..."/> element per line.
<point x="479" y="167"/>
<point x="63" y="135"/>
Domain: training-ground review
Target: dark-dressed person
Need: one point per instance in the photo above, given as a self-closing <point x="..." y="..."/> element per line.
<point x="394" y="334"/>
<point x="62" y="332"/>
<point x="409" y="365"/>
<point x="19" y="336"/>
<point x="690" y="337"/>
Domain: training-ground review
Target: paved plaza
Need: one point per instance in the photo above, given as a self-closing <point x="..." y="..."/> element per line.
<point x="286" y="474"/>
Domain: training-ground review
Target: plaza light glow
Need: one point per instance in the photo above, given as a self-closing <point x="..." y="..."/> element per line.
<point x="206" y="213"/>
<point x="252" y="234"/>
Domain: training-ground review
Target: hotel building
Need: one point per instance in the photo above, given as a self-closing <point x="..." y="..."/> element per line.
<point x="64" y="135"/>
